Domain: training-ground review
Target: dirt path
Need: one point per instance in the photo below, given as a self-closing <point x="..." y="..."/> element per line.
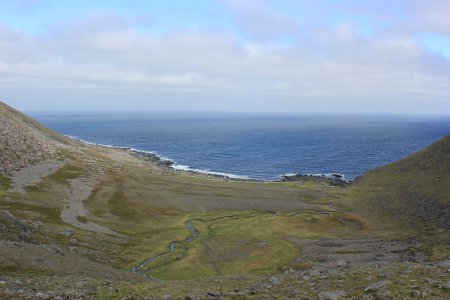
<point x="80" y="189"/>
<point x="33" y="174"/>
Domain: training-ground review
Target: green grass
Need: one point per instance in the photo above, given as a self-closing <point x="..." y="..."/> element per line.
<point x="5" y="183"/>
<point x="65" y="173"/>
<point x="82" y="219"/>
<point x="28" y="210"/>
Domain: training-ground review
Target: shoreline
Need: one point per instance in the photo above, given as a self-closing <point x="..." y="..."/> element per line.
<point x="335" y="179"/>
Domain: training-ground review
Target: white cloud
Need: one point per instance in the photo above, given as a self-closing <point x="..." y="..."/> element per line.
<point x="259" y="21"/>
<point x="431" y="16"/>
<point x="104" y="57"/>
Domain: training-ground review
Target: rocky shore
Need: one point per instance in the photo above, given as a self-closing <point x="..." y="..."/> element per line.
<point x="333" y="179"/>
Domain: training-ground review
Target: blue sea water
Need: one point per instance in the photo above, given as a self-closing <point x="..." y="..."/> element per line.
<point x="259" y="146"/>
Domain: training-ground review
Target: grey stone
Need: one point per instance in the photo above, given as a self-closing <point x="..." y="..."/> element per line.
<point x="42" y="296"/>
<point x="377" y="285"/>
<point x="341" y="263"/>
<point x="428" y="280"/>
<point x="384" y="294"/>
<point x="67" y="233"/>
<point x="213" y="295"/>
<point x="330" y="295"/>
<point x="313" y="273"/>
<point x="443" y="264"/>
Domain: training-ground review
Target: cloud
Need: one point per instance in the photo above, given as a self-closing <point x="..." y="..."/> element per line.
<point x="334" y="67"/>
<point x="259" y="21"/>
<point x="432" y="16"/>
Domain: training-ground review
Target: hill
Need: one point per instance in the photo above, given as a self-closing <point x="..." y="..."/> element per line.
<point x="24" y="141"/>
<point x="414" y="190"/>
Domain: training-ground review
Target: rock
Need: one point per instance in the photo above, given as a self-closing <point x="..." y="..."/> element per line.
<point x="2" y="282"/>
<point x="8" y="265"/>
<point x="67" y="233"/>
<point x="443" y="264"/>
<point x="25" y="233"/>
<point x="330" y="295"/>
<point x="167" y="297"/>
<point x="420" y="293"/>
<point x="341" y="263"/>
<point x="274" y="280"/>
<point x="384" y="294"/>
<point x="377" y="285"/>
<point x="428" y="280"/>
<point x="313" y="273"/>
<point x="9" y="215"/>
<point x="446" y="286"/>
<point x="73" y="241"/>
<point x="213" y="295"/>
<point x="42" y="296"/>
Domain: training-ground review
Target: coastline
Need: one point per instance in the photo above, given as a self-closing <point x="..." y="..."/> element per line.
<point x="167" y="164"/>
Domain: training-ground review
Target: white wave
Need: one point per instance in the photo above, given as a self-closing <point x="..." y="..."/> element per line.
<point x="331" y="176"/>
<point x="208" y="172"/>
<point x="288" y="174"/>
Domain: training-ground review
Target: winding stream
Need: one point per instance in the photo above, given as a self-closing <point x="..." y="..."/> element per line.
<point x="194" y="233"/>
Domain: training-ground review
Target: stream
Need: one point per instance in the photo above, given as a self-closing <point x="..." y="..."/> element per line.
<point x="194" y="233"/>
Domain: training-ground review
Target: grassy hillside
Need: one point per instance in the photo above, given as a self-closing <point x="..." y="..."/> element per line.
<point x="414" y="190"/>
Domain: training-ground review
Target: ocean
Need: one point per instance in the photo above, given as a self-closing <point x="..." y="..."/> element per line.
<point x="258" y="146"/>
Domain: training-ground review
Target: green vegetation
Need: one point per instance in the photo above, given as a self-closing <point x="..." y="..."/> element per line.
<point x="82" y="219"/>
<point x="65" y="173"/>
<point x="4" y="183"/>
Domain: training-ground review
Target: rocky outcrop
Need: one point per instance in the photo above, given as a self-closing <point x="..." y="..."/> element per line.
<point x="24" y="141"/>
<point x="333" y="179"/>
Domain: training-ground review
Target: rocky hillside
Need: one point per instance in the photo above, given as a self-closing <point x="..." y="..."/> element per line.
<point x="24" y="140"/>
<point x="415" y="189"/>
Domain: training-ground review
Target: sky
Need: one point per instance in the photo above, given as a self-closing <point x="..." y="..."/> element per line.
<point x="341" y="56"/>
